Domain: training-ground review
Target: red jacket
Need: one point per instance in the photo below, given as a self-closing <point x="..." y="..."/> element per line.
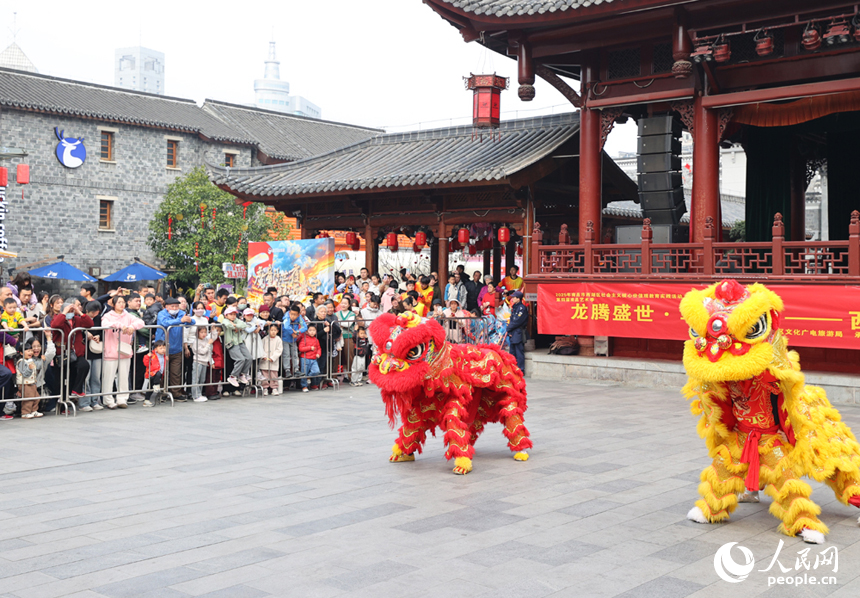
<point x="309" y="347"/>
<point x="150" y="361"/>
<point x="66" y="326"/>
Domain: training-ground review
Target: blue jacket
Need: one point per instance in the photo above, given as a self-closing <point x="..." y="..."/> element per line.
<point x="517" y="325"/>
<point x="299" y="327"/>
<point x="174" y="346"/>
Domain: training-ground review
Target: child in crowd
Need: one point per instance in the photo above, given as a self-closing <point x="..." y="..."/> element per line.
<point x="202" y="361"/>
<point x="28" y="371"/>
<point x="362" y="346"/>
<point x="235" y="332"/>
<point x="309" y="349"/>
<point x="272" y="349"/>
<point x="490" y="300"/>
<point x="12" y="319"/>
<point x="155" y="362"/>
<point x="45" y="357"/>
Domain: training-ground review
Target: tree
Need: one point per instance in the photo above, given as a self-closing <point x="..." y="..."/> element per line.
<point x="217" y="235"/>
<point x="738" y="232"/>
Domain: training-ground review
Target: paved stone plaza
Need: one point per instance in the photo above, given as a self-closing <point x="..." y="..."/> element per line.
<point x="294" y="496"/>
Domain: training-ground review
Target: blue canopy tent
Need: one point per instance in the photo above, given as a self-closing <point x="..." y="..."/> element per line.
<point x="61" y="271"/>
<point x="134" y="273"/>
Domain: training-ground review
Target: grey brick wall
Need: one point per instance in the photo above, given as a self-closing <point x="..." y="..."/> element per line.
<point x="59" y="214"/>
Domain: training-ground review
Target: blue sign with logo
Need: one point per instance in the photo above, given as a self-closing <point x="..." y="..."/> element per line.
<point x="70" y="151"/>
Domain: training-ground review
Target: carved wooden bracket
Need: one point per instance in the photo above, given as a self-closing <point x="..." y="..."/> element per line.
<point x="566" y="90"/>
<point x="607" y="121"/>
<point x="725" y="117"/>
<point x="685" y="110"/>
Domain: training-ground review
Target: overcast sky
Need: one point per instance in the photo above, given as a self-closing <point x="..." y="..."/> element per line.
<point x="380" y="63"/>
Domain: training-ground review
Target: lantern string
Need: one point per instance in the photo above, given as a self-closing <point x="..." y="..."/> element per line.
<point x="481" y="66"/>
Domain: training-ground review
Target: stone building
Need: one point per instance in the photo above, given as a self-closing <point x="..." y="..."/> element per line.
<point x="96" y="212"/>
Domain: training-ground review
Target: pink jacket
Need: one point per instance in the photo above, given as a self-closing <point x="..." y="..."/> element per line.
<point x="111" y="339"/>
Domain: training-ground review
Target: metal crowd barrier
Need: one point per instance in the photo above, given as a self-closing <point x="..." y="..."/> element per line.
<point x="474" y="330"/>
<point x="55" y="363"/>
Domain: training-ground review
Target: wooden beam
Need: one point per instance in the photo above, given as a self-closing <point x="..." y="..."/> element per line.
<point x="566" y="90"/>
<point x="781" y="71"/>
<point x="793" y="92"/>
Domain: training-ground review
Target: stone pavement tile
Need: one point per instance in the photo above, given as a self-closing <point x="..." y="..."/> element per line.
<point x="219" y="581"/>
<point x="137" y="586"/>
<point x="24" y="580"/>
<point x="456" y="588"/>
<point x="688" y="551"/>
<point x="238" y="591"/>
<point x="345" y="519"/>
<point x="664" y="587"/>
<point x="590" y="507"/>
<point x="366" y="576"/>
<point x="242" y="558"/>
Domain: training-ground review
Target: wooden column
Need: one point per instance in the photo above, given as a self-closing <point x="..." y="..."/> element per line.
<point x="487" y="264"/>
<point x="590" y="200"/>
<point x="510" y="256"/>
<point x="797" y="219"/>
<point x="442" y="237"/>
<point x="497" y="262"/>
<point x="371" y="249"/>
<point x="706" y="171"/>
<point x="434" y="255"/>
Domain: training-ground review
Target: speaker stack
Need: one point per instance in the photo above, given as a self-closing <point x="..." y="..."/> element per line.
<point x="661" y="194"/>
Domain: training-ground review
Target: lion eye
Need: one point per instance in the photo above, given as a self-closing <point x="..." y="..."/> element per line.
<point x="758" y="329"/>
<point x="415" y="352"/>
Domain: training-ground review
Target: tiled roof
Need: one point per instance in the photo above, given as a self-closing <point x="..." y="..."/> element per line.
<point x="280" y="136"/>
<point x="733" y="209"/>
<point x="513" y="8"/>
<point x="285" y="136"/>
<point x="30" y="91"/>
<point x="417" y="159"/>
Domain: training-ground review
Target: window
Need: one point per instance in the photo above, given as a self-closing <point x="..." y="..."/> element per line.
<point x="229" y="160"/>
<point x="105" y="214"/>
<point x="107" y="146"/>
<point x="172" y="153"/>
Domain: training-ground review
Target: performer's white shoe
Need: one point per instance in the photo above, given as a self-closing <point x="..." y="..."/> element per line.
<point x="810" y="536"/>
<point x="749" y="496"/>
<point x="696" y="515"/>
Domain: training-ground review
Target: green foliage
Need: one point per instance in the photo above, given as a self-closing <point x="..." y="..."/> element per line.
<point x="738" y="232"/>
<point x="217" y="240"/>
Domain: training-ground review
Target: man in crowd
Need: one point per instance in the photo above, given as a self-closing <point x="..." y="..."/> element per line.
<point x="171" y="315"/>
<point x="517" y="329"/>
<point x="512" y="282"/>
<point x="275" y="312"/>
<point x="317" y="299"/>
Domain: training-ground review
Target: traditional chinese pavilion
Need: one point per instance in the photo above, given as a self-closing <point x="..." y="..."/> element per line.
<point x="780" y="78"/>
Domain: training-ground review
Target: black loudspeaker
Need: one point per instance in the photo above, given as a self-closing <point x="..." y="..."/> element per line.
<point x="661" y="200"/>
<point x="658" y="163"/>
<point x="659" y="144"/>
<point x="659" y="181"/>
<point x="660" y="125"/>
<point x="667" y="216"/>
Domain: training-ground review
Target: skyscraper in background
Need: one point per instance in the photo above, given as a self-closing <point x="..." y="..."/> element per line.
<point x="140" y="69"/>
<point x="273" y="94"/>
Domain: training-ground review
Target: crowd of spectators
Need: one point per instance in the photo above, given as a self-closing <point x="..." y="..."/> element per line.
<point x="134" y="346"/>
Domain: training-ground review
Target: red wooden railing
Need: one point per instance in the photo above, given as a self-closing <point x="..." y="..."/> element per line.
<point x="778" y="260"/>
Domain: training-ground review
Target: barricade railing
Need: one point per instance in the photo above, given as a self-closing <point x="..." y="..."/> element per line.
<point x="474" y="330"/>
<point x="348" y="366"/>
<point x="52" y="363"/>
<point x="103" y="372"/>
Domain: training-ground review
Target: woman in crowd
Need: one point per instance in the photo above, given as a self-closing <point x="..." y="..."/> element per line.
<point x="119" y="349"/>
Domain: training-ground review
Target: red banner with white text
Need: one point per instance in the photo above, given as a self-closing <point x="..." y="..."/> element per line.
<point x="814" y="315"/>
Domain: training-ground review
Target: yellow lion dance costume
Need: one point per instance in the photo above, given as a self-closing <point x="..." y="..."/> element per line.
<point x="763" y="426"/>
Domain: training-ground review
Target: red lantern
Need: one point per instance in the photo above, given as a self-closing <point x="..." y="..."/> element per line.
<point x="763" y="43"/>
<point x="196" y="255"/>
<point x="421" y="238"/>
<point x="463" y="236"/>
<point x="811" y="38"/>
<point x="213" y="214"/>
<point x="504" y="234"/>
<point x="4" y="176"/>
<point x="486" y="99"/>
<point x="722" y="51"/>
<point x="472" y="250"/>
<point x="391" y="241"/>
<point x="169" y="228"/>
<point x="23" y="174"/>
<point x="350" y="238"/>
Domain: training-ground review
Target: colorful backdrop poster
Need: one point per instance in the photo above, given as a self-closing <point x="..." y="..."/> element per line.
<point x="297" y="268"/>
<point x="814" y="316"/>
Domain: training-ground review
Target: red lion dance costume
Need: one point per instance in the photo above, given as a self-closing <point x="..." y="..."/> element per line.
<point x="763" y="426"/>
<point x="430" y="383"/>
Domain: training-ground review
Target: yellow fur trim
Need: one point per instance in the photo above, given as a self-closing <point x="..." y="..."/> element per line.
<point x="395" y="450"/>
<point x="521" y="456"/>
<point x="462" y="465"/>
<point x="729" y="367"/>
<point x="693" y="309"/>
<point x="744" y="315"/>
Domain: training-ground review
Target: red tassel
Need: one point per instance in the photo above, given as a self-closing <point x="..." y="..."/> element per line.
<point x="169" y="228"/>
